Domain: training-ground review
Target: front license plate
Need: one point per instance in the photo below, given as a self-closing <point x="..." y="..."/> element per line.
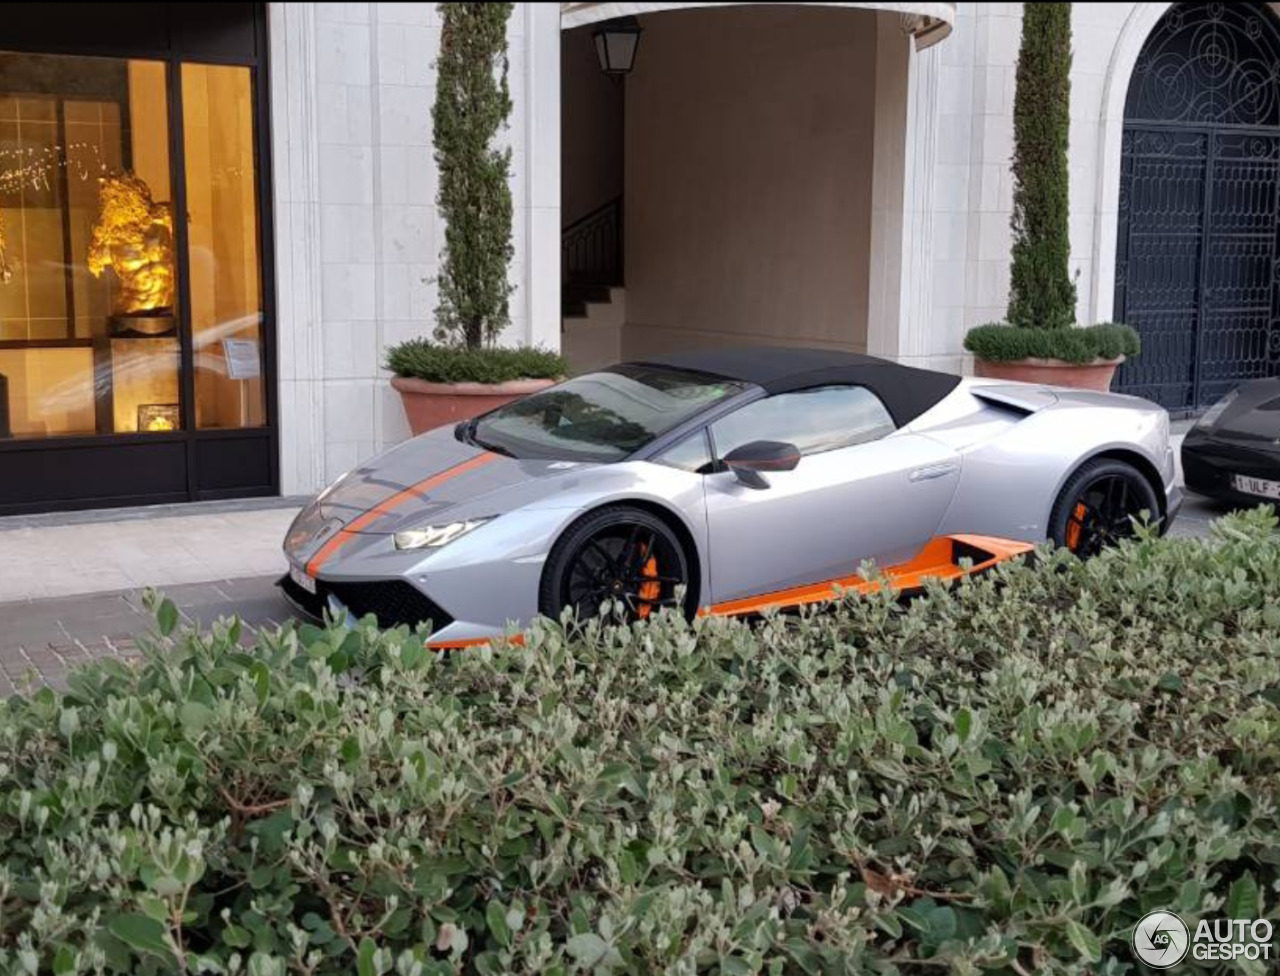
<point x="1256" y="486"/>
<point x="302" y="579"/>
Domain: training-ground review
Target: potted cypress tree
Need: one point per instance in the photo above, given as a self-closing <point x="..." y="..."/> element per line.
<point x="463" y="373"/>
<point x="1039" y="341"/>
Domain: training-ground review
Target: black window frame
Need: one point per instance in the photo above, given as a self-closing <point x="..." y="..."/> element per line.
<point x="79" y="471"/>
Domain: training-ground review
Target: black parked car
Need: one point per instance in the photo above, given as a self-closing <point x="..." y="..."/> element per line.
<point x="1233" y="452"/>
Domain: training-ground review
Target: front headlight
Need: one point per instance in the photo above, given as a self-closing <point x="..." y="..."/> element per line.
<point x="435" y="536"/>
<point x="1217" y="410"/>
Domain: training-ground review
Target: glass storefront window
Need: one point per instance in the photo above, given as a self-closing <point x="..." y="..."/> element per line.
<point x="135" y="273"/>
<point x="222" y="241"/>
<point x="88" y="311"/>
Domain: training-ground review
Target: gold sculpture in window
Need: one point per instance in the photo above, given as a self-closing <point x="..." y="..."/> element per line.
<point x="133" y="236"/>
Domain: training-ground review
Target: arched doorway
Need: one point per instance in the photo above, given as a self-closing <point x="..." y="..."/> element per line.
<point x="1197" y="251"/>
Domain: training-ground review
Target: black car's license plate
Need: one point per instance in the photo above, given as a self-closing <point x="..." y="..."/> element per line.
<point x="1256" y="486"/>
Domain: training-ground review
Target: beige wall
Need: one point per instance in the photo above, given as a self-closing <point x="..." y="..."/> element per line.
<point x="749" y="137"/>
<point x="590" y="129"/>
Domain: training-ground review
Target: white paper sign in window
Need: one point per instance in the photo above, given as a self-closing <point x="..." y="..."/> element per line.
<point x="243" y="362"/>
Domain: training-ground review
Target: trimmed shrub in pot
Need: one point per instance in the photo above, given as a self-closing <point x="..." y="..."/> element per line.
<point x="1085" y="357"/>
<point x="445" y="384"/>
<point x="1042" y="343"/>
<point x="464" y="374"/>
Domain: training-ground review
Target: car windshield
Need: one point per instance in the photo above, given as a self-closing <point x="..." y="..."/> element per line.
<point x="603" y="416"/>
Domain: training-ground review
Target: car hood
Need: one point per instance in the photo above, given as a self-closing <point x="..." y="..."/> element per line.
<point x="1253" y="417"/>
<point x="428" y="478"/>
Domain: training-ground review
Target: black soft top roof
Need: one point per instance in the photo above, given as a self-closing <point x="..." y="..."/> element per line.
<point x="907" y="392"/>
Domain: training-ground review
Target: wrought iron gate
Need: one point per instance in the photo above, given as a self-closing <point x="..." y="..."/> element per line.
<point x="1197" y="269"/>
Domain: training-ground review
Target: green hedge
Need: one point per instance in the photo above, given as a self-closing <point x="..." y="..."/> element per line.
<point x="455" y="364"/>
<point x="1000" y="343"/>
<point x="1000" y="779"/>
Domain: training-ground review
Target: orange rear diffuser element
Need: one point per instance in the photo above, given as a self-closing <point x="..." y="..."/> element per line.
<point x="939" y="559"/>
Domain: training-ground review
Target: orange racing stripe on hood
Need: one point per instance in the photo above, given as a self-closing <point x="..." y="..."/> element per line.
<point x="387" y="505"/>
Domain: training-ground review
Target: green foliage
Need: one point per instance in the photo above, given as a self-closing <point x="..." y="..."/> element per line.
<point x="473" y="102"/>
<point x="1001" y="778"/>
<point x="1042" y="294"/>
<point x="455" y="364"/>
<point x="1000" y="343"/>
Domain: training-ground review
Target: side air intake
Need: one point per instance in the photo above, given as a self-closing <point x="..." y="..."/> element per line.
<point x="1024" y="399"/>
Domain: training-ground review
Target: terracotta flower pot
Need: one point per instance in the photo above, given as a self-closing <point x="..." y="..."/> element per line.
<point x="1054" y="372"/>
<point x="432" y="405"/>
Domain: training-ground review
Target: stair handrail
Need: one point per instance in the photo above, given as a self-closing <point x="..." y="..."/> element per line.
<point x="591" y="247"/>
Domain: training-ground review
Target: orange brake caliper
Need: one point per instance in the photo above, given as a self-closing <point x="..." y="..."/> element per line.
<point x="1075" y="525"/>
<point x="649" y="591"/>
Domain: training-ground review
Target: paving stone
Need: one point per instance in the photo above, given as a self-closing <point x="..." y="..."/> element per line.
<point x="48" y="637"/>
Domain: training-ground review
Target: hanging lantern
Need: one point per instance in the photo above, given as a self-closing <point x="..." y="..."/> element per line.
<point x="616" y="43"/>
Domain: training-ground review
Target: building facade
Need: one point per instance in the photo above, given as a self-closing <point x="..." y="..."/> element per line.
<point x="832" y="174"/>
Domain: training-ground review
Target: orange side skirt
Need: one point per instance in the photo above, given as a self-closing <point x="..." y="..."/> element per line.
<point x="934" y="561"/>
<point x="458" y="645"/>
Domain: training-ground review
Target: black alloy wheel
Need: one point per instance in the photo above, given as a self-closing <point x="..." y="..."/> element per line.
<point x="621" y="555"/>
<point x="1099" y="506"/>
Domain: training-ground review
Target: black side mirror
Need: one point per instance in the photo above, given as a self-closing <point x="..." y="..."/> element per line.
<point x="749" y="461"/>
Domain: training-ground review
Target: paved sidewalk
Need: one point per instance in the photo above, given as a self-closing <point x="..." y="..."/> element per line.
<point x="60" y="556"/>
<point x="41" y="639"/>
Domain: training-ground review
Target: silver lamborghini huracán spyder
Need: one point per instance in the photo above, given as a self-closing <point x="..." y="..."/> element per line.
<point x="725" y="482"/>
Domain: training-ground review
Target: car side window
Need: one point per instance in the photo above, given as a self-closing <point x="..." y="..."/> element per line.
<point x="820" y="419"/>
<point x="691" y="454"/>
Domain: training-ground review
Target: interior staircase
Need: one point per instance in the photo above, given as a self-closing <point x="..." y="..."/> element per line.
<point x="592" y="299"/>
<point x="591" y="328"/>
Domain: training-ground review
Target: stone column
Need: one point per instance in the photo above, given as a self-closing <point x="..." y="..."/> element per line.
<point x="884" y="310"/>
<point x="916" y="295"/>
<point x="295" y="151"/>
<point x="542" y="98"/>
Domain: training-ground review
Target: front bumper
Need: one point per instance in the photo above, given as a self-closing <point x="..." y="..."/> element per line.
<point x="392" y="602"/>
<point x="470" y="591"/>
<point x="474" y="589"/>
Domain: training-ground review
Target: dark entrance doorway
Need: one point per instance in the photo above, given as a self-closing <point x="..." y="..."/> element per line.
<point x="136" y="299"/>
<point x="1196" y="256"/>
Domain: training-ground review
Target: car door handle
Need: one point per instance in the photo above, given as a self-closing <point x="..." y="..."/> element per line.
<point x="932" y="472"/>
